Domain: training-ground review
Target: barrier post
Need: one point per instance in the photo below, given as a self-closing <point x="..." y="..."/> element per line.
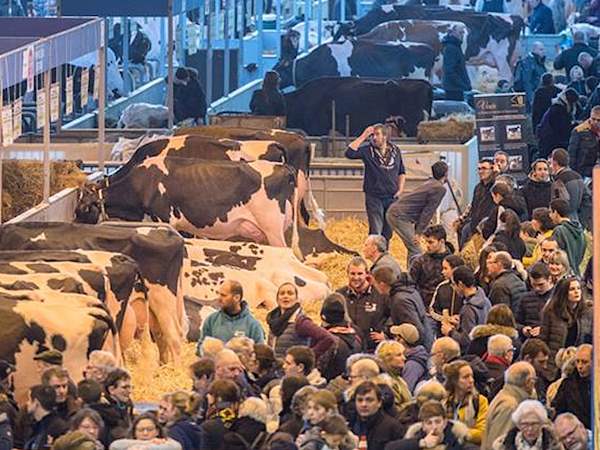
<point x="126" y="79"/>
<point x="101" y="99"/>
<point x="260" y="7"/>
<point x="343" y="10"/>
<point x="307" y="14"/>
<point x="170" y="74"/>
<point x="333" y="127"/>
<point x="226" y="55"/>
<point x="347" y="136"/>
<point x="47" y="81"/>
<point x="278" y="26"/>
<point x="319" y="22"/>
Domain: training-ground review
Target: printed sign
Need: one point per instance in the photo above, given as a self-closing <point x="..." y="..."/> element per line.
<point x="54" y="102"/>
<point x="7" y="125"/>
<point x="28" y="69"/>
<point x="85" y="86"/>
<point x="69" y="96"/>
<point x="96" y="82"/>
<point x="17" y="118"/>
<point x="41" y="108"/>
<point x="192" y="38"/>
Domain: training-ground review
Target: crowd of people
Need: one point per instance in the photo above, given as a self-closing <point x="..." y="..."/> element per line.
<point x="443" y="355"/>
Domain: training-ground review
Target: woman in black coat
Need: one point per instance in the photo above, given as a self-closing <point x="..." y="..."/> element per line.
<point x="268" y="101"/>
<point x="566" y="318"/>
<point x="509" y="234"/>
<point x="555" y="128"/>
<point x="537" y="188"/>
<point x="542" y="99"/>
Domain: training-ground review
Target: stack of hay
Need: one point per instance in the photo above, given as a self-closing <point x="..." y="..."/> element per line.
<point x="457" y="128"/>
<point x="23" y="183"/>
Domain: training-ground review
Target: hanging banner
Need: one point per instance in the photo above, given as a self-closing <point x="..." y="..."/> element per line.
<point x="69" y="95"/>
<point x="192" y="38"/>
<point x="28" y="69"/>
<point x="96" y="81"/>
<point x="7" y="126"/>
<point x="54" y="102"/>
<point x="41" y="108"/>
<point x="85" y="86"/>
<point x="17" y="118"/>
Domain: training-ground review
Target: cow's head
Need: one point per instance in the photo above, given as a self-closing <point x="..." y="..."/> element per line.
<point x="284" y="68"/>
<point x="344" y="30"/>
<point x="89" y="204"/>
<point x="396" y="124"/>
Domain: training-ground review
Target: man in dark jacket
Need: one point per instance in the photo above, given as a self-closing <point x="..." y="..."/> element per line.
<point x="455" y="79"/>
<point x="384" y="175"/>
<point x="268" y="101"/>
<point x="529" y="71"/>
<point x="373" y="427"/>
<point x="540" y="21"/>
<point x="406" y="305"/>
<point x="188" y="96"/>
<point x="568" y="57"/>
<point x="504" y="196"/>
<point x="482" y="204"/>
<point x="474" y="310"/>
<point x="368" y="309"/>
<point x="118" y="413"/>
<point x="542" y="99"/>
<point x="528" y="313"/>
<point x="584" y="145"/>
<point x="554" y="130"/>
<point x="575" y="392"/>
<point x="568" y="234"/>
<point x="537" y="189"/>
<point x="426" y="269"/>
<point x="536" y="352"/>
<point x="411" y="212"/>
<point x="507" y="287"/>
<point x="568" y="185"/>
<point x="47" y="426"/>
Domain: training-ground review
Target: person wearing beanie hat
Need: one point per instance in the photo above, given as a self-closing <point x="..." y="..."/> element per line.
<point x="415" y="367"/>
<point x="47" y="360"/>
<point x="433" y="431"/>
<point x="336" y="321"/>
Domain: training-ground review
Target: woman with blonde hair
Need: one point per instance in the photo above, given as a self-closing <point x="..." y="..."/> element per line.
<point x="464" y="403"/>
<point x="565" y="360"/>
<point x="180" y="426"/>
<point x="391" y="354"/>
<point x="559" y="266"/>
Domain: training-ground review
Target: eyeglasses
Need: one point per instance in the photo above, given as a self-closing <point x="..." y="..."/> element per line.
<point x="568" y="435"/>
<point x="145" y="430"/>
<point x="529" y="425"/>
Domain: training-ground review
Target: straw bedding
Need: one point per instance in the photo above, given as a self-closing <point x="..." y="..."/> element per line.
<point x="454" y="127"/>
<point x="23" y="183"/>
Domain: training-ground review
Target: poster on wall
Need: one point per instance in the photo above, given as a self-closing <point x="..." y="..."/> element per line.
<point x="85" y="86"/>
<point x="69" y="95"/>
<point x="501" y="124"/>
<point x="40" y="108"/>
<point x="54" y="102"/>
<point x="96" y="82"/>
<point x="17" y="118"/>
<point x="7" y="125"/>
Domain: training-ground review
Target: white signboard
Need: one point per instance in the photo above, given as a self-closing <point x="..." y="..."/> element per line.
<point x="69" y="96"/>
<point x="7" y="125"/>
<point x="54" y="102"/>
<point x="17" y="118"/>
<point x="41" y="108"/>
<point x="85" y="85"/>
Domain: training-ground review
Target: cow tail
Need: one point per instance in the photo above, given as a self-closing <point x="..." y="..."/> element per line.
<point x="319" y="214"/>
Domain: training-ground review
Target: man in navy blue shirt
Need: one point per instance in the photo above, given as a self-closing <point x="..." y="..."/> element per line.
<point x="384" y="175"/>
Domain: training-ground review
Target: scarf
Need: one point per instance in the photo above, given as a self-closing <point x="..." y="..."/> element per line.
<point x="522" y="444"/>
<point x="470" y="418"/>
<point x="278" y="322"/>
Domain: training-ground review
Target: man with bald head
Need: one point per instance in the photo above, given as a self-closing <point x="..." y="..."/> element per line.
<point x="519" y="385"/>
<point x="529" y="71"/>
<point x="575" y="392"/>
<point x="233" y="319"/>
<point x="571" y="433"/>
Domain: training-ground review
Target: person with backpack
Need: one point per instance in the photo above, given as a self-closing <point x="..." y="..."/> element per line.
<point x="529" y="71"/>
<point x="554" y="130"/>
<point x="347" y="340"/>
<point x="249" y="430"/>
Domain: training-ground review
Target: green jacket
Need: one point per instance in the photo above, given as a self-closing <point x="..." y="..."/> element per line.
<point x="571" y="239"/>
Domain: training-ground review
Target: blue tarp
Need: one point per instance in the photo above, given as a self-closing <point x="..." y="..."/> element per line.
<point x="125" y="8"/>
<point x="56" y="41"/>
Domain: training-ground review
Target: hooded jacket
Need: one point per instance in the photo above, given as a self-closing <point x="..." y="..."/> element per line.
<point x="569" y="186"/>
<point x="528" y="74"/>
<point x="507" y="288"/>
<point x="187" y="433"/>
<point x="223" y="326"/>
<point x="249" y="428"/>
<point x="426" y="272"/>
<point x="481" y="333"/>
<point x="474" y="312"/>
<point x="455" y="76"/>
<point x="455" y="435"/>
<point x="536" y="194"/>
<point x="333" y="362"/>
<point x="584" y="148"/>
<point x="571" y="239"/>
<point x="407" y="306"/>
<point x="554" y="130"/>
<point x="415" y="367"/>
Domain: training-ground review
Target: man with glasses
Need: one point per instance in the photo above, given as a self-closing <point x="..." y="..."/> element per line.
<point x="584" y="145"/>
<point x="482" y="204"/>
<point x="571" y="433"/>
<point x="118" y="413"/>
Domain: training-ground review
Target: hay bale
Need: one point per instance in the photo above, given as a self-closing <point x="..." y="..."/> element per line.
<point x="454" y="127"/>
<point x="23" y="183"/>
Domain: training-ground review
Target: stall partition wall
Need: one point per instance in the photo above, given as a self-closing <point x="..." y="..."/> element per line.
<point x="44" y="44"/>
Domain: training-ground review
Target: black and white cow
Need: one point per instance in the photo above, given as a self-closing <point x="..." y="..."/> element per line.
<point x="493" y="39"/>
<point x="365" y="101"/>
<point x="28" y="327"/>
<point x="158" y="251"/>
<point x="360" y="58"/>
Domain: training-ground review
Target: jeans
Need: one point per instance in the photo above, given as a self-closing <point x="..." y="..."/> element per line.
<point x="406" y="231"/>
<point x="376" y="209"/>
